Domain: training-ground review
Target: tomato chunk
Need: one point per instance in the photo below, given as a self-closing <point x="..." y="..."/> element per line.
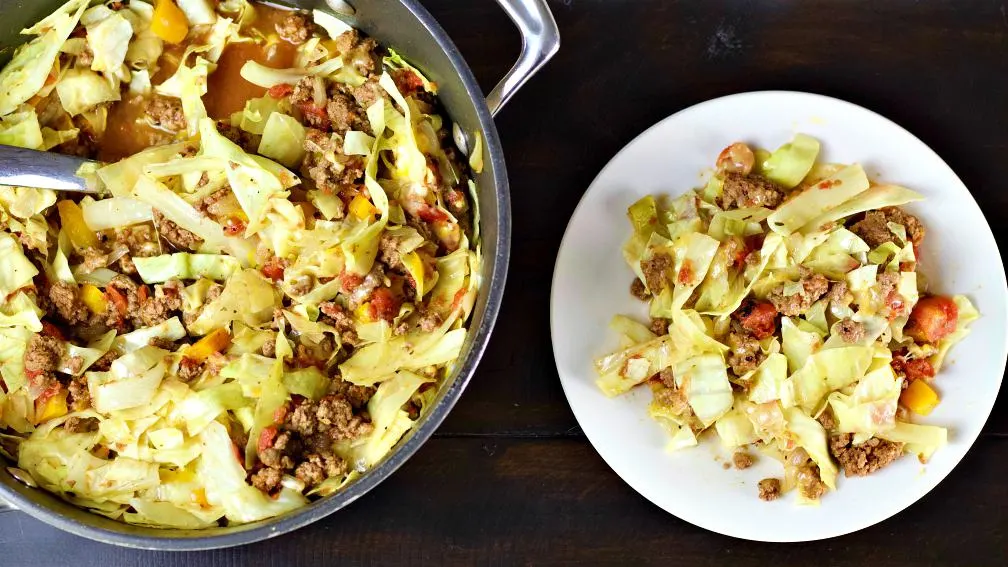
<point x="759" y="318"/>
<point x="280" y="91"/>
<point x="932" y="319"/>
<point x="267" y="437"/>
<point x="383" y="305"/>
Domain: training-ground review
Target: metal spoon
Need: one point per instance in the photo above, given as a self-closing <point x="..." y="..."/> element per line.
<point x="43" y="170"/>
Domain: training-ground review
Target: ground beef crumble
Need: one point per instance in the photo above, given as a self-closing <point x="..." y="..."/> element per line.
<point x="166" y="113"/>
<point x="294" y="28"/>
<point x="745" y="354"/>
<point x="866" y="458"/>
<point x="747" y="191"/>
<point x="873" y="227"/>
<point x="813" y="287"/>
<point x="769" y="489"/>
<point x="655" y="272"/>
<point x="850" y="330"/>
<point x="639" y="290"/>
<point x="177" y="236"/>
<point x="742" y="460"/>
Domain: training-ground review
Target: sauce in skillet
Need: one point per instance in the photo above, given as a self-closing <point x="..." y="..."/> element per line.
<point x="127" y="133"/>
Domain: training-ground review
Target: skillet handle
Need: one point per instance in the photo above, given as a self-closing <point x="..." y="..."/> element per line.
<point x="540" y="41"/>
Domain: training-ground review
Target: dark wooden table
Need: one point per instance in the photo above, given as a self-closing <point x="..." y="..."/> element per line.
<point x="509" y="478"/>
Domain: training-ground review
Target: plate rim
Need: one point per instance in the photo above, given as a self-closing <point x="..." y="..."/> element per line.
<point x="823" y="99"/>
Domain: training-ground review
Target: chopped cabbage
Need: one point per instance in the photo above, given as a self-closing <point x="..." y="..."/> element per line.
<point x="186" y="266"/>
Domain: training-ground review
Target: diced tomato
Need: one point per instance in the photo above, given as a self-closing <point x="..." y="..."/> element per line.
<point x="407" y="82"/>
<point x="932" y="319"/>
<point x="383" y="305"/>
<point x="280" y="414"/>
<point x="274" y="268"/>
<point x="267" y="437"/>
<point x="828" y="184"/>
<point x="350" y="281"/>
<point x="234" y="226"/>
<point x="51" y="390"/>
<point x="118" y="299"/>
<point x="280" y="91"/>
<point x="685" y="275"/>
<point x="896" y="304"/>
<point x="318" y="111"/>
<point x="457" y="300"/>
<point x="50" y="330"/>
<point x="428" y="213"/>
<point x="760" y="319"/>
<point x="750" y="244"/>
<point x="143" y="294"/>
<point x="919" y="368"/>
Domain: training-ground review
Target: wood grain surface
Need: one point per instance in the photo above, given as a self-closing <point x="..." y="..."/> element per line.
<point x="509" y="478"/>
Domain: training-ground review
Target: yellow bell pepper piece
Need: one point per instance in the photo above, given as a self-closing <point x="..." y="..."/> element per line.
<point x="216" y="341"/>
<point x="72" y="221"/>
<point x="362" y="208"/>
<point x="54" y="407"/>
<point x="94" y="298"/>
<point x="363" y="313"/>
<point x="919" y="397"/>
<point x="414" y="265"/>
<point x="169" y="22"/>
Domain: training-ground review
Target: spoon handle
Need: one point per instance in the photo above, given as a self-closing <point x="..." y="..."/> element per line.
<point x="45" y="170"/>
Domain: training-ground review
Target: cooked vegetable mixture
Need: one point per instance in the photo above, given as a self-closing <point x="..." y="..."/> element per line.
<point x="787" y="313"/>
<point x="271" y="284"/>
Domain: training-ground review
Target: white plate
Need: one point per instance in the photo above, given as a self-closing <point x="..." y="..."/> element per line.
<point x="591" y="284"/>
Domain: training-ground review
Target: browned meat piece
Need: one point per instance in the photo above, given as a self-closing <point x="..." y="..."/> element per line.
<point x="302" y="419"/>
<point x="76" y="424"/>
<point x="245" y="140"/>
<point x="326" y="165"/>
<point x="359" y="52"/>
<point x="838" y="295"/>
<point x="80" y="396"/>
<point x="220" y="203"/>
<point x="655" y="271"/>
<point x="92" y="259"/>
<point x="769" y="489"/>
<point x="282" y="454"/>
<point x="294" y="28"/>
<point x="42" y="355"/>
<point x="827" y="420"/>
<point x="873" y="228"/>
<point x="269" y="348"/>
<point x="745" y="352"/>
<point x="317" y="468"/>
<point x="177" y="236"/>
<point x="65" y="299"/>
<point x="358" y="396"/>
<point x="267" y="479"/>
<point x="742" y="459"/>
<point x="190" y="369"/>
<point x="369" y="93"/>
<point x="344" y="112"/>
<point x="814" y="286"/>
<point x="430" y="321"/>
<point x="887" y="283"/>
<point x="332" y="415"/>
<point x="746" y="191"/>
<point x="809" y="483"/>
<point x="388" y="250"/>
<point x="866" y="458"/>
<point x="850" y="330"/>
<point x="105" y="362"/>
<point x="659" y="326"/>
<point x="639" y="290"/>
<point x="166" y="113"/>
<point x="165" y="303"/>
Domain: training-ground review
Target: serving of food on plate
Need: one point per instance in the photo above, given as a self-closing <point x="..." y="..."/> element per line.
<point x="787" y="313"/>
<point x="271" y="283"/>
<point x="803" y="312"/>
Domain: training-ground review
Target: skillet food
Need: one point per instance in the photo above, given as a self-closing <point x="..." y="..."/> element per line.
<point x="787" y="314"/>
<point x="269" y="286"/>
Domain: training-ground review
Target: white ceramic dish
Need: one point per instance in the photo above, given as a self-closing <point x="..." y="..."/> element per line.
<point x="591" y="284"/>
